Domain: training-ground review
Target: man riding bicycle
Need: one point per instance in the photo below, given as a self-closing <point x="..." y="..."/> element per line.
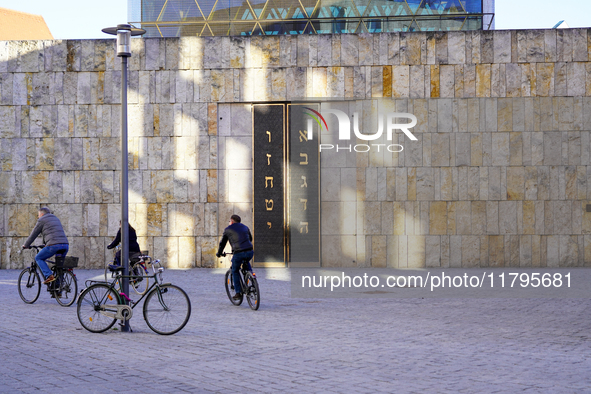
<point x="54" y="237"/>
<point x="241" y="242"/>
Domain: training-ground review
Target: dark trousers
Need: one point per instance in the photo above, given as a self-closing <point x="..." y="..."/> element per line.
<point x="46" y="253"/>
<point x="237" y="260"/>
<point x="118" y="256"/>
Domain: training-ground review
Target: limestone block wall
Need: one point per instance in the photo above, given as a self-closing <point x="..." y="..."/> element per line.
<point x="490" y="182"/>
<point x="498" y="176"/>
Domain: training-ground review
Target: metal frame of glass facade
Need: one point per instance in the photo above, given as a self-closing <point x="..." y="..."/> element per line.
<point x="174" y="18"/>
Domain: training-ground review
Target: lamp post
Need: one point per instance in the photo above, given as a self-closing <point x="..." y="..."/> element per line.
<point x="124" y="33"/>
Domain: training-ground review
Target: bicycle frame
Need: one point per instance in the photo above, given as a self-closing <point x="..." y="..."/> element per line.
<point x="166" y="307"/>
<point x="242" y="271"/>
<point x="64" y="288"/>
<point x="248" y="285"/>
<point x="122" y="296"/>
<point x="59" y="271"/>
<point x="36" y="267"/>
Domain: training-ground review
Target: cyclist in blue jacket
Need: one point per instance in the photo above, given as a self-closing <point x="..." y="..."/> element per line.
<point x="241" y="242"/>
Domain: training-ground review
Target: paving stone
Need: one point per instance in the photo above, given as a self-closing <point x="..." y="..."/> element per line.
<point x="299" y="345"/>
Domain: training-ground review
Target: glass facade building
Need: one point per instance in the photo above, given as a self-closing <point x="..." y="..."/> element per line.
<point x="174" y="18"/>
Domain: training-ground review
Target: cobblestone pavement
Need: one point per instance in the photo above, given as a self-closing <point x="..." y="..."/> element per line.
<point x="300" y="345"/>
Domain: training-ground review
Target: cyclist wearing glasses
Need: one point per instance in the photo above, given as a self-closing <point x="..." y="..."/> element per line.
<point x="241" y="242"/>
<point x="54" y="237"/>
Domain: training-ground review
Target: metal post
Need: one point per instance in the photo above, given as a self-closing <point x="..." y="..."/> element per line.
<point x="124" y="186"/>
<point x="124" y="34"/>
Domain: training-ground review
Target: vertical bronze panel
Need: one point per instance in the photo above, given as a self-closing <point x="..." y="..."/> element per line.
<point x="304" y="196"/>
<point x="268" y="189"/>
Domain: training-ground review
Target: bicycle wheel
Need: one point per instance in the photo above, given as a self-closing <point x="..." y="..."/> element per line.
<point x="140" y="283"/>
<point x="29" y="285"/>
<point x="230" y="291"/>
<point x="68" y="289"/>
<point x="95" y="304"/>
<point x="167" y="309"/>
<point x="253" y="296"/>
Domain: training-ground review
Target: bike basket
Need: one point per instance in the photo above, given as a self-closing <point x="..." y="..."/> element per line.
<point x="66" y="262"/>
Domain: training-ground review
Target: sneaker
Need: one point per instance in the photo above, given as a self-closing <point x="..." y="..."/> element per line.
<point x="49" y="280"/>
<point x="237" y="296"/>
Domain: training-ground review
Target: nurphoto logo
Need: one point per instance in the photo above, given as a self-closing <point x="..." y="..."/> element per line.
<point x="344" y="130"/>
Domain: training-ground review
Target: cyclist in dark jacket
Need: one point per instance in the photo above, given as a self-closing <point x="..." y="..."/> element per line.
<point x="134" y="247"/>
<point x="54" y="238"/>
<point x="241" y="242"/>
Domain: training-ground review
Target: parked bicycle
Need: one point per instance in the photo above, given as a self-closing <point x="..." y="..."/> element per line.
<point x="65" y="287"/>
<point x="138" y="268"/>
<point x="167" y="307"/>
<point x="248" y="284"/>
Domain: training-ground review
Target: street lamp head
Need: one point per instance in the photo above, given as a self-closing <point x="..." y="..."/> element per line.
<point x="124" y="33"/>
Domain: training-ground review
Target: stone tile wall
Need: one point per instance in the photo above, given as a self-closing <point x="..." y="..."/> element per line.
<point x="498" y="176"/>
<point x="470" y="193"/>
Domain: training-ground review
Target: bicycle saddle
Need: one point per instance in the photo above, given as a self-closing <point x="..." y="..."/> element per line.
<point x="120" y="268"/>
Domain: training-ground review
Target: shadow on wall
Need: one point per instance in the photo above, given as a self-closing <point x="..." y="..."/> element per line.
<point x="59" y="134"/>
<point x="364" y="224"/>
<point x="484" y="183"/>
